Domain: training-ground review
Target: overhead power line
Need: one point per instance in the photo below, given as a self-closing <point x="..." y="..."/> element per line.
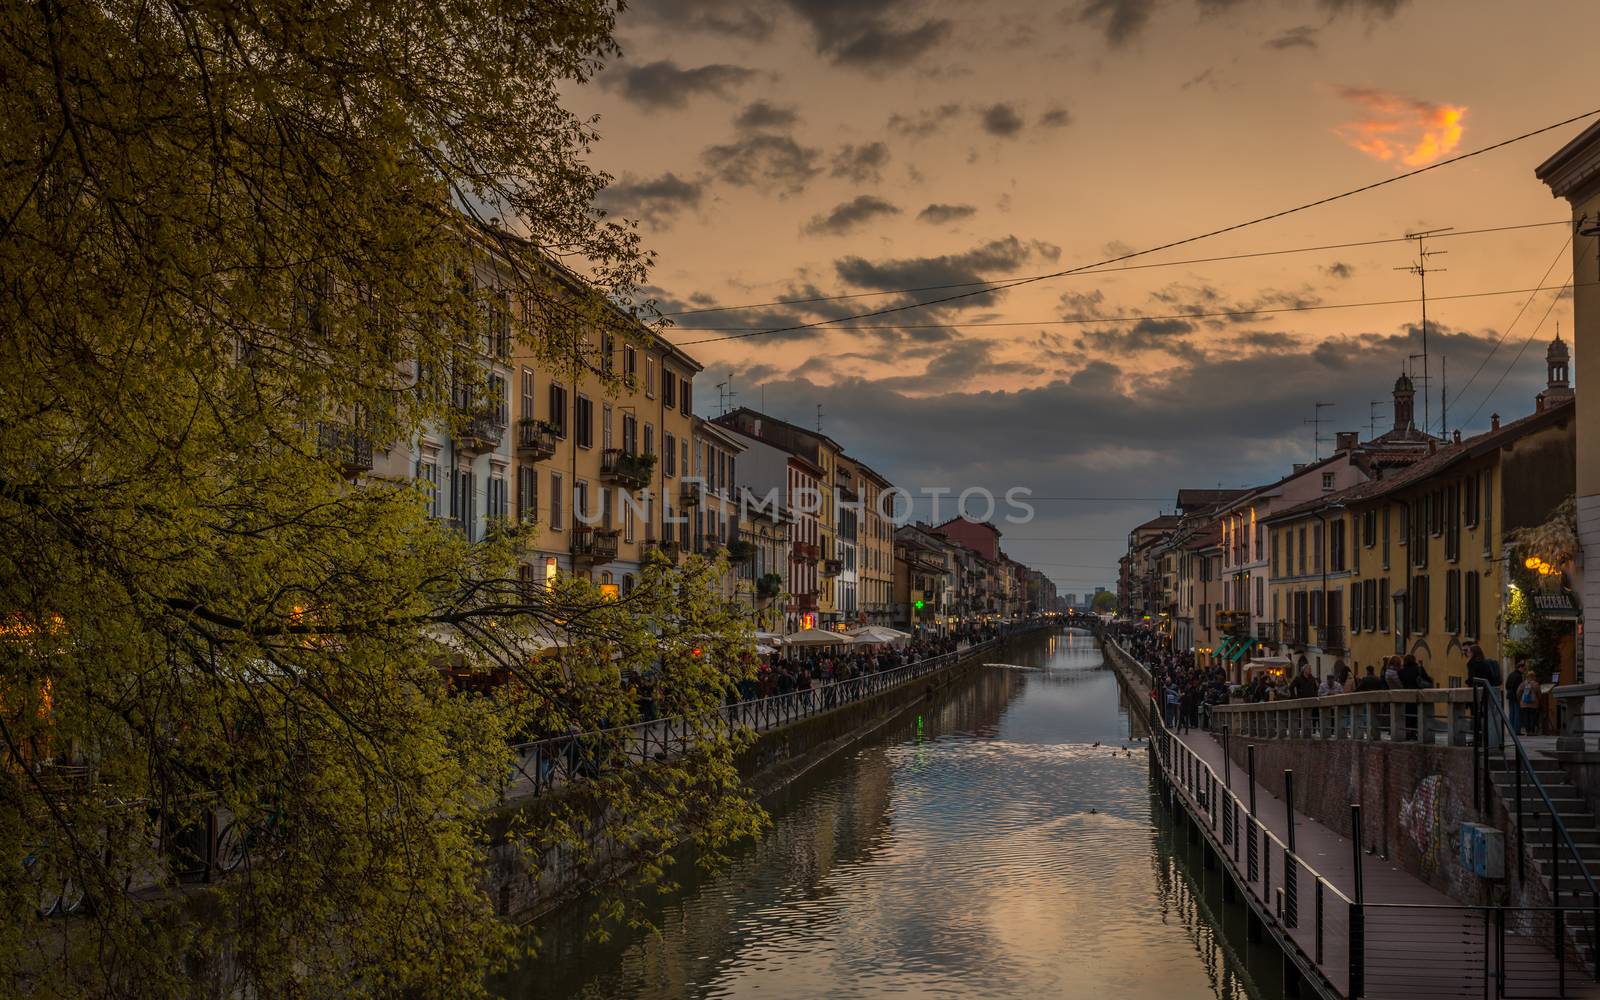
<point x="1235" y="227"/>
<point x="1140" y="317"/>
<point x="1106" y="270"/>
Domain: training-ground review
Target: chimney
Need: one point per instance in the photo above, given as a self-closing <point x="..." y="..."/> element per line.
<point x="1345" y="441"/>
<point x="1494" y="421"/>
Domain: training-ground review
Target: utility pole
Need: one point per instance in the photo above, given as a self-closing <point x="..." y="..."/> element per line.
<point x="1422" y="270"/>
<point x="1316" y="430"/>
<point x="1444" y="399"/>
<point x="1372" y="421"/>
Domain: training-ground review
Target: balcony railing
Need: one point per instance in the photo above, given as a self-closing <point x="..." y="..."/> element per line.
<point x="807" y="551"/>
<point x="804" y="601"/>
<point x="536" y="440"/>
<point x="626" y="469"/>
<point x="689" y="493"/>
<point x="343" y="444"/>
<point x="595" y="545"/>
<point x="482" y="432"/>
<point x="832" y="567"/>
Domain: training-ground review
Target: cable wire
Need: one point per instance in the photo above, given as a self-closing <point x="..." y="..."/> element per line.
<point x="1109" y="270"/>
<point x="1235" y="227"/>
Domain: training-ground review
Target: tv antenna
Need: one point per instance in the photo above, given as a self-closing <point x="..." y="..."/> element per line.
<point x="1316" y="429"/>
<point x="819" y="418"/>
<point x="725" y="394"/>
<point x="1422" y="270"/>
<point x="1372" y="422"/>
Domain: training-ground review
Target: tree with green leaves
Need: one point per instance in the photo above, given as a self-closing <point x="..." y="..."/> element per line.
<point x="224" y="229"/>
<point x="1104" y="602"/>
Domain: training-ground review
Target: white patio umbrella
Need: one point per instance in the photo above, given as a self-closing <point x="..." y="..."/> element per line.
<point x="879" y="633"/>
<point x="817" y="637"/>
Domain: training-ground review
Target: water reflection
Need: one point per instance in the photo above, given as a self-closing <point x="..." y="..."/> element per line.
<point x="1001" y="841"/>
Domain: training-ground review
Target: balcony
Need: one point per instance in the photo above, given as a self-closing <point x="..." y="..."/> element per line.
<point x="594" y="545"/>
<point x="807" y="551"/>
<point x="689" y="494"/>
<point x="804" y="601"/>
<point x="342" y="444"/>
<point x="832" y="567"/>
<point x="624" y="469"/>
<point x="536" y="440"/>
<point x="670" y="550"/>
<point x="481" y="433"/>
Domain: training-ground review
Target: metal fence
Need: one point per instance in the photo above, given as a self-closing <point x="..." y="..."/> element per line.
<point x="541" y="765"/>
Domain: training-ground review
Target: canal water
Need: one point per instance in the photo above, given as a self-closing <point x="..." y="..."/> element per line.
<point x="1003" y="840"/>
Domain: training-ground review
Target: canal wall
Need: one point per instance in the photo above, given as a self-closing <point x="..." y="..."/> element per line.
<point x="1413" y="797"/>
<point x="776" y="758"/>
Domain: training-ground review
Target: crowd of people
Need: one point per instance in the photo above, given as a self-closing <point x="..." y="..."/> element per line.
<point x="1185" y="690"/>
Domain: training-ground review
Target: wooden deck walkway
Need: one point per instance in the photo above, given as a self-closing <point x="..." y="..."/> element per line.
<point x="1413" y="943"/>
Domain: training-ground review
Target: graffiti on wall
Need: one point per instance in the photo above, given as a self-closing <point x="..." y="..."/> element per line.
<point x="1422" y="820"/>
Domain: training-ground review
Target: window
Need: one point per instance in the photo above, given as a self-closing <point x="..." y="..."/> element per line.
<point x="1469" y="504"/>
<point x="683" y="454"/>
<point x="607" y="352"/>
<point x="1261" y="582"/>
<point x="558" y="409"/>
<point x="499" y="400"/>
<point x="1327" y="482"/>
<point x="1452" y="522"/>
<point x="1386" y="537"/>
<point x="1336" y="546"/>
<point x="1418" y="600"/>
<point x="527" y="398"/>
<point x="429" y="474"/>
<point x="669" y="388"/>
<point x="1356" y="604"/>
<point x="1370" y="599"/>
<point x="583" y="422"/>
<point x="669" y="454"/>
<point x="1488" y="511"/>
<point x="556" y="501"/>
<point x="627" y="522"/>
<point x="527" y="493"/>
<point x="1275" y="571"/>
<point x="1472" y="606"/>
<point x="1383" y="604"/>
<point x="630" y="365"/>
<point x="683" y="396"/>
<point x="650" y="378"/>
<point x="500" y="323"/>
<point x="1303" y="549"/>
<point x="649" y="439"/>
<point x="630" y="433"/>
<point x="581" y="514"/>
<point x="497" y="498"/>
<point x="1452" y="601"/>
<point x="605" y="426"/>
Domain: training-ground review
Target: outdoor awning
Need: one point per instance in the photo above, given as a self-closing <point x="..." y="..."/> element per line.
<point x="1222" y="647"/>
<point x="1240" y="652"/>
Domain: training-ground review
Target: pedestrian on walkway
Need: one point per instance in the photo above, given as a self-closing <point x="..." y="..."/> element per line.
<point x="1370" y="682"/>
<point x="1172" y="706"/>
<point x="1514" y="679"/>
<point x="1484" y="673"/>
<point x="1527" y="698"/>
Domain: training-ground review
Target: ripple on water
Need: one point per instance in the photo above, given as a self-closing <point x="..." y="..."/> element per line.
<point x="988" y="850"/>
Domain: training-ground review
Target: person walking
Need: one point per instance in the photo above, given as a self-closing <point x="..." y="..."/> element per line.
<point x="1172" y="706"/>
<point x="1485" y="673"/>
<point x="1370" y="682"/>
<point x="1527" y="698"/>
<point x="1514" y="679"/>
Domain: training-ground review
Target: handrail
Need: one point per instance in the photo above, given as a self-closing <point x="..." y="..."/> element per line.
<point x="1481" y="690"/>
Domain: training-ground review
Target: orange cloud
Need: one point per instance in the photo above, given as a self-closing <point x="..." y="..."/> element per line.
<point x="1401" y="130"/>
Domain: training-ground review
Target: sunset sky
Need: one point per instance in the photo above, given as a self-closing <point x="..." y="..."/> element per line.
<point x="795" y="148"/>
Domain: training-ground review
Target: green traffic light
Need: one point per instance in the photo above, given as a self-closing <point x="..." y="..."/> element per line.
<point x="918" y="605"/>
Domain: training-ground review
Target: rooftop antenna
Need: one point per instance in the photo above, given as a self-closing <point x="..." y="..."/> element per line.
<point x="725" y="394"/>
<point x="1316" y="429"/>
<point x="1372" y="413"/>
<point x="819" y="418"/>
<point x="1444" y="399"/>
<point x="1422" y="270"/>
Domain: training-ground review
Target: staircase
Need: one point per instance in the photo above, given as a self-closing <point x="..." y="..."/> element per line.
<point x="1547" y="855"/>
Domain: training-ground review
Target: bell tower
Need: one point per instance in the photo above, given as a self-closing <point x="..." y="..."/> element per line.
<point x="1557" y="375"/>
<point x="1405" y="401"/>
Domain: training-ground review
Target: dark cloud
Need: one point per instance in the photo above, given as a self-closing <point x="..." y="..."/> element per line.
<point x="1203" y="298"/>
<point x="923" y="123"/>
<point x="735" y="18"/>
<point x="1171" y="336"/>
<point x="1339" y="269"/>
<point x="860" y="163"/>
<point x="939" y="213"/>
<point x="1083" y="305"/>
<point x="1120" y="20"/>
<point x="1206" y="76"/>
<point x="1001" y="120"/>
<point x="655" y="200"/>
<point x="765" y="114"/>
<point x="1055" y="118"/>
<point x="665" y="84"/>
<point x="984" y="262"/>
<point x="848" y="215"/>
<point x="767" y="162"/>
<point x="1302" y="36"/>
<point x="870" y="34"/>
